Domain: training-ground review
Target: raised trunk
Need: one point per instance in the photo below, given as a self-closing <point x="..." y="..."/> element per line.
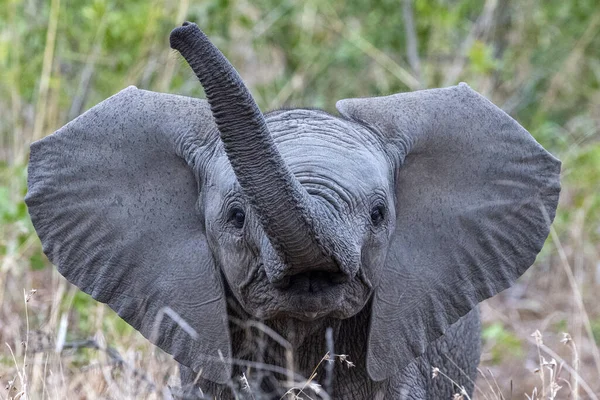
<point x="285" y="209"/>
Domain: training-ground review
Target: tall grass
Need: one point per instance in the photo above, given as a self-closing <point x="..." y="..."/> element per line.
<point x="538" y="61"/>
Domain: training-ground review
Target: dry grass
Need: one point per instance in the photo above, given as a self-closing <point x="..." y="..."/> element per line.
<point x="40" y="360"/>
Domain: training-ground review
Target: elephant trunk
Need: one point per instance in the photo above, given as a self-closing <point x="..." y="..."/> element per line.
<point x="286" y="211"/>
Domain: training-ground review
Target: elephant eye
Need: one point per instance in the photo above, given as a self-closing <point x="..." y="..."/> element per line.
<point x="377" y="215"/>
<point x="237" y="216"/>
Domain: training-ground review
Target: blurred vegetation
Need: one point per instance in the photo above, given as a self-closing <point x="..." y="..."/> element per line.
<point x="538" y="60"/>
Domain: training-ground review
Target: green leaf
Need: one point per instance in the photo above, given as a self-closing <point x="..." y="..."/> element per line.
<point x="38" y="261"/>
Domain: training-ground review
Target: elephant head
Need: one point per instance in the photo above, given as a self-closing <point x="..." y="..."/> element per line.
<point x="419" y="205"/>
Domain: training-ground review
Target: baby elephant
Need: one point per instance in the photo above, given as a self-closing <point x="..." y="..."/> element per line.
<point x="257" y="244"/>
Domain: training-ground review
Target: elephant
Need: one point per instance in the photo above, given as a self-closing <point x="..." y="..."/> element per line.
<point x="265" y="245"/>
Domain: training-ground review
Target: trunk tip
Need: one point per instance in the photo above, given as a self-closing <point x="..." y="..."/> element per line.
<point x="183" y="34"/>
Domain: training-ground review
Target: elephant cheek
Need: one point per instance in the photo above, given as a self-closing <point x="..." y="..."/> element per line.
<point x="373" y="263"/>
<point x="235" y="265"/>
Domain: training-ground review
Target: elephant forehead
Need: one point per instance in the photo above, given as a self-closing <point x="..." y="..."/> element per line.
<point x="322" y="151"/>
<point x="314" y="143"/>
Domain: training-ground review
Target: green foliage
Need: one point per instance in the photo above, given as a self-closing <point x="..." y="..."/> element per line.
<point x="84" y="306"/>
<point x="37" y="261"/>
<point x="12" y="208"/>
<point x="502" y="343"/>
<point x="85" y="317"/>
<point x="17" y="231"/>
<point x="596" y="330"/>
<point x="481" y="57"/>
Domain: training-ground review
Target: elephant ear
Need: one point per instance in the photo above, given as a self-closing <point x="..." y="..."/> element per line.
<point x="113" y="198"/>
<point x="475" y="197"/>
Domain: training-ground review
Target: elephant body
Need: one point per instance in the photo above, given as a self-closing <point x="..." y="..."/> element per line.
<point x="456" y="354"/>
<point x="237" y="241"/>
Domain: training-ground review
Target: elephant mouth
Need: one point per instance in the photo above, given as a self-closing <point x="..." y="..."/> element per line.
<point x="306" y="296"/>
<point x="311" y="281"/>
<point x="312" y="295"/>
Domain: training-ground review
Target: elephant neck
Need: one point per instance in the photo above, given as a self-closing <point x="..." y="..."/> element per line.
<point x="307" y="347"/>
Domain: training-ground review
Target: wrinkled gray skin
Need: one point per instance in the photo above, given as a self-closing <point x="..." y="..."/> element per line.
<point x="235" y="240"/>
<point x="341" y="153"/>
